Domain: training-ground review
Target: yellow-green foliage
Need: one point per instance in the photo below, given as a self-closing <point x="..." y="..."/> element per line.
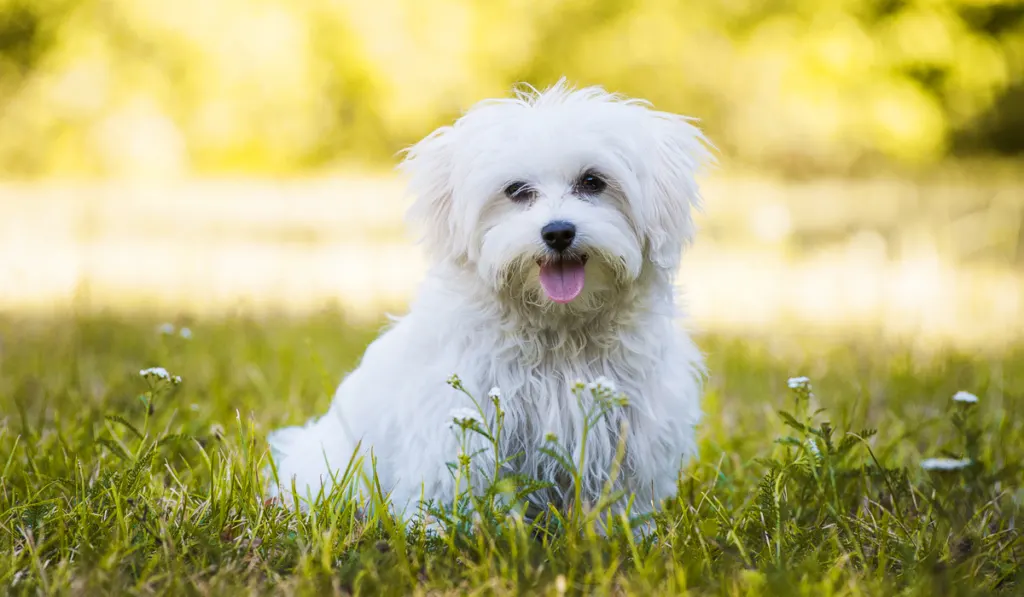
<point x="127" y="86"/>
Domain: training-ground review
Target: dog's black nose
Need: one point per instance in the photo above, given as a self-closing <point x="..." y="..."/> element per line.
<point x="558" y="235"/>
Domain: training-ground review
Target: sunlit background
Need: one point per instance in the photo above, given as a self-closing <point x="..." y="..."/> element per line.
<point x="207" y="156"/>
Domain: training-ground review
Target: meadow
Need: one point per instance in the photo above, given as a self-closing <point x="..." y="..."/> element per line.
<point x="185" y="186"/>
<point x="114" y="483"/>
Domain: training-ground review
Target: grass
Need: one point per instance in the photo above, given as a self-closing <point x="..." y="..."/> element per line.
<point x="111" y="484"/>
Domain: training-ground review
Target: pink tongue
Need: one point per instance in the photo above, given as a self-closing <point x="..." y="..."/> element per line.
<point x="562" y="280"/>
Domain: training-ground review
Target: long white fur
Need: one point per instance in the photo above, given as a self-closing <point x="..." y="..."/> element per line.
<point x="481" y="313"/>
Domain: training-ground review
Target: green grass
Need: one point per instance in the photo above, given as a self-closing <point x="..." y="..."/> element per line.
<point x="104" y="492"/>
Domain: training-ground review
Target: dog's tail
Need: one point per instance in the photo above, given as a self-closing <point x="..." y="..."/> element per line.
<point x="309" y="461"/>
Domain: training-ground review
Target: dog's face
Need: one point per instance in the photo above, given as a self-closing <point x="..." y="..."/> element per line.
<point x="558" y="197"/>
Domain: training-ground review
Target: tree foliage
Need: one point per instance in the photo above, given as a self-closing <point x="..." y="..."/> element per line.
<point x="123" y="86"/>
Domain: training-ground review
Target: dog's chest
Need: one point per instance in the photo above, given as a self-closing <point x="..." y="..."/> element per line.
<point x="541" y="367"/>
<point x="546" y="406"/>
<point x="542" y="386"/>
<point x="538" y="378"/>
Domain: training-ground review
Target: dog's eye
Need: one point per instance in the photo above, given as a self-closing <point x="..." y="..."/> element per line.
<point x="590" y="183"/>
<point x="519" y="191"/>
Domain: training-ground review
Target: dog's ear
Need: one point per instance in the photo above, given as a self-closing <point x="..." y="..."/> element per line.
<point x="429" y="165"/>
<point x="681" y="152"/>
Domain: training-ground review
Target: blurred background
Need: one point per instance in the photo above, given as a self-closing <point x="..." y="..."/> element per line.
<point x="209" y="156"/>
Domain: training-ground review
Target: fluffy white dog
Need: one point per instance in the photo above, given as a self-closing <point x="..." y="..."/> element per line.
<point x="555" y="222"/>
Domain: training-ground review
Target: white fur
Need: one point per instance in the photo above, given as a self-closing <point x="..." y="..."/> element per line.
<point x="481" y="313"/>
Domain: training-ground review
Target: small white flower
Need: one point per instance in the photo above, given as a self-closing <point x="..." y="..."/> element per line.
<point x="160" y="373"/>
<point x="463" y="417"/>
<point x="799" y="383"/>
<point x="494" y="393"/>
<point x="165" y="328"/>
<point x="602" y="383"/>
<point x="561" y="586"/>
<point x="965" y="397"/>
<point x="813" y="447"/>
<point x="185" y="333"/>
<point x="945" y="464"/>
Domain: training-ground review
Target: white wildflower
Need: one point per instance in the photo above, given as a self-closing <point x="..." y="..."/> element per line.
<point x="561" y="586"/>
<point x="155" y="372"/>
<point x="165" y="328"/>
<point x="161" y="374"/>
<point x="945" y="464"/>
<point x="464" y="417"/>
<point x="965" y="397"/>
<point x="185" y="333"/>
<point x="813" y="447"/>
<point x="494" y="393"/>
<point x="799" y="383"/>
<point x="602" y="383"/>
<point x="217" y="431"/>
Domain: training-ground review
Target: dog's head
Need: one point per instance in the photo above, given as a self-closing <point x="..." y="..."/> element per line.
<point x="558" y="196"/>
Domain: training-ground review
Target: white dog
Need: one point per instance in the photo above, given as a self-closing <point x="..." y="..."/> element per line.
<point x="555" y="222"/>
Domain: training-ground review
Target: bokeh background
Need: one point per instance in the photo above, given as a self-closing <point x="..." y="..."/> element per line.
<point x="205" y="157"/>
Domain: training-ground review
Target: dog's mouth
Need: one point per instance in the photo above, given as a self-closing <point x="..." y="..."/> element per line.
<point x="562" y="276"/>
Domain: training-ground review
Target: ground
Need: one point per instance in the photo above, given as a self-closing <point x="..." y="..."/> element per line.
<point x="116" y="483"/>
